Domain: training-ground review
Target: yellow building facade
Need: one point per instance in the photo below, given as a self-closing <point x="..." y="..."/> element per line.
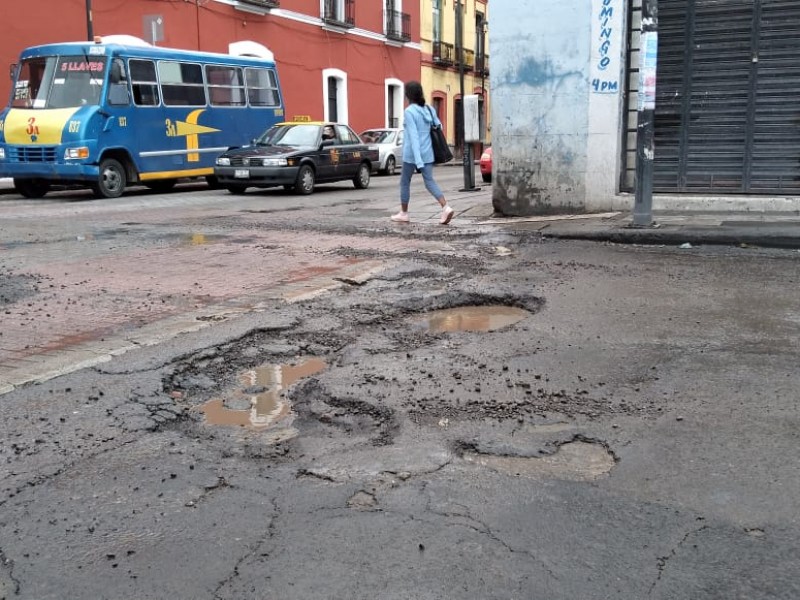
<point x="444" y="66"/>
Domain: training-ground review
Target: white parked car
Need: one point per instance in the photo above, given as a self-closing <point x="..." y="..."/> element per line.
<point x="390" y="147"/>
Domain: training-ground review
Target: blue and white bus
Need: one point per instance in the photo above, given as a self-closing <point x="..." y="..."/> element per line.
<point x="119" y="111"/>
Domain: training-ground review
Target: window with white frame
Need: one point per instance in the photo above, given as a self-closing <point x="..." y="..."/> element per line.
<point x="338" y="11"/>
<point x="394" y="102"/>
<point x="334" y="95"/>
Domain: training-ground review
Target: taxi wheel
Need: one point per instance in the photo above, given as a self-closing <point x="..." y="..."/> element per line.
<point x="32" y="188"/>
<point x="487" y="177"/>
<point x="390" y="166"/>
<point x="361" y="181"/>
<point x="111" y="181"/>
<point x="304" y="184"/>
<point x="237" y="190"/>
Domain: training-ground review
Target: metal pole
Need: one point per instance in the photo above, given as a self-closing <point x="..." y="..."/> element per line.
<point x="89" y="26"/>
<point x="466" y="155"/>
<point x="645" y="144"/>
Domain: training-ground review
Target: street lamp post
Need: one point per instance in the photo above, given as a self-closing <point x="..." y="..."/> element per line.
<point x="645" y="134"/>
<point x="89" y="26"/>
<point x="466" y="154"/>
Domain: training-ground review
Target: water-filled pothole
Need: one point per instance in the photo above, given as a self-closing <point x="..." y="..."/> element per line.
<point x="470" y="318"/>
<point x="261" y="387"/>
<point x="577" y="461"/>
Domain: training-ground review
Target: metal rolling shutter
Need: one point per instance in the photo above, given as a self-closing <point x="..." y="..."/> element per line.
<point x="775" y="156"/>
<point x="728" y="103"/>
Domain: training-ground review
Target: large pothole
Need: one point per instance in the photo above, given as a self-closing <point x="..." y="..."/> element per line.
<point x="260" y="400"/>
<point x="470" y="318"/>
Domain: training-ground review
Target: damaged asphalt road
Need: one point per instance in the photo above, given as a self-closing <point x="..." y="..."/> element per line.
<point x="629" y="432"/>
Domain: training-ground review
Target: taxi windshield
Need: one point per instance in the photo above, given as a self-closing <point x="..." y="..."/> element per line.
<point x="59" y="81"/>
<point x="290" y="135"/>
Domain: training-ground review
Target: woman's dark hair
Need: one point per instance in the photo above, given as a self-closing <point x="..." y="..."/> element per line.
<point x="414" y="93"/>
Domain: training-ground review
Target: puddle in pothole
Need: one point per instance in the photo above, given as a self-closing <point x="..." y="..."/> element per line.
<point x="261" y="388"/>
<point x="470" y="318"/>
<point x="576" y="461"/>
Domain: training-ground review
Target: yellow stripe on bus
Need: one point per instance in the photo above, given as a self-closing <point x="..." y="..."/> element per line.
<point x="176" y="174"/>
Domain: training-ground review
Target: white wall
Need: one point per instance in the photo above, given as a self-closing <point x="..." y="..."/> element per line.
<point x="556" y="90"/>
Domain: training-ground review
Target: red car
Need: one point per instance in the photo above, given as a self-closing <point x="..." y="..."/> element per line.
<point x="486" y="164"/>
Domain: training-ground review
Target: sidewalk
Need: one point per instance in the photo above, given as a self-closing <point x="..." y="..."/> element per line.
<point x="768" y="230"/>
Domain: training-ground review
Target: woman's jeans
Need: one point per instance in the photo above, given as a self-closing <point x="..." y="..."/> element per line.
<point x="427" y="177"/>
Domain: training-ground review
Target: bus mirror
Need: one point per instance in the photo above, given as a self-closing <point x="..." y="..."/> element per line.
<point x="116" y="72"/>
<point x="12" y="71"/>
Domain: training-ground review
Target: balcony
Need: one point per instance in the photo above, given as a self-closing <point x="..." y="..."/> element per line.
<point x="340" y="13"/>
<point x="398" y="26"/>
<point x="482" y="65"/>
<point x="262" y="3"/>
<point x="468" y="58"/>
<point x="443" y="53"/>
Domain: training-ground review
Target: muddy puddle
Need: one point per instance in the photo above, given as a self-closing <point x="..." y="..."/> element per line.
<point x="261" y="392"/>
<point x="470" y="318"/>
<point x="575" y="461"/>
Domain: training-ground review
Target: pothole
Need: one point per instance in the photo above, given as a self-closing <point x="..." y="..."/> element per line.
<point x="470" y="318"/>
<point x="575" y="461"/>
<point x="362" y="500"/>
<point x="260" y="395"/>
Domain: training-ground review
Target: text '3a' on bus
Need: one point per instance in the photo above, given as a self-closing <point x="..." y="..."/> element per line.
<point x="118" y="111"/>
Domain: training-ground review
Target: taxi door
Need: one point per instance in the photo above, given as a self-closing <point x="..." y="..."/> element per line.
<point x="349" y="152"/>
<point x="327" y="159"/>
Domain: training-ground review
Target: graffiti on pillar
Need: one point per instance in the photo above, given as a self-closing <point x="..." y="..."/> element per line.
<point x="606" y="46"/>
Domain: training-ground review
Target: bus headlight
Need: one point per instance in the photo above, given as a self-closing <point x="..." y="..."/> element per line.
<point x="223" y="161"/>
<point x="275" y="162"/>
<point x="2" y="153"/>
<point x="76" y="153"/>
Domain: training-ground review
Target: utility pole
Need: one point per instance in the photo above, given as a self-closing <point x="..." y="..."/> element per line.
<point x="466" y="155"/>
<point x="645" y="143"/>
<point x="89" y="26"/>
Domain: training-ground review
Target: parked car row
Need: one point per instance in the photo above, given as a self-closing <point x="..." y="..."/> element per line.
<point x="299" y="155"/>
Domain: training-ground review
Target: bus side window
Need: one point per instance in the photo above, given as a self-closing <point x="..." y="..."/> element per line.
<point x="262" y="87"/>
<point x="225" y="85"/>
<point x="118" y="84"/>
<point x="182" y="83"/>
<point x="144" y="82"/>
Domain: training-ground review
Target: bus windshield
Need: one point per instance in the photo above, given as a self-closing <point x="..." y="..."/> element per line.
<point x="59" y="81"/>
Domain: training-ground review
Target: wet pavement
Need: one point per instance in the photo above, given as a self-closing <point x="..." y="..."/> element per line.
<point x="478" y="411"/>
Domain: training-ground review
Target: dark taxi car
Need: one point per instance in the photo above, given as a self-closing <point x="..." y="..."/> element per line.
<point x="298" y="156"/>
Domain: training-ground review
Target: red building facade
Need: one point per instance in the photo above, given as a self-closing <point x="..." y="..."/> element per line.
<point x="343" y="60"/>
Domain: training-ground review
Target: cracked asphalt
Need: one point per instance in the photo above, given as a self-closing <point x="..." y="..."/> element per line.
<point x="634" y="435"/>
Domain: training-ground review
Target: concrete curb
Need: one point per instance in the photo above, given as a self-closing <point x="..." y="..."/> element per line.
<point x="706" y="236"/>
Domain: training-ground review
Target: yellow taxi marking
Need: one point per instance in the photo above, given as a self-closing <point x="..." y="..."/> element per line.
<point x="28" y="127"/>
<point x="335" y="157"/>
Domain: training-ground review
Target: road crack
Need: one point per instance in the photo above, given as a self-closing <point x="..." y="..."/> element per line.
<point x="663" y="561"/>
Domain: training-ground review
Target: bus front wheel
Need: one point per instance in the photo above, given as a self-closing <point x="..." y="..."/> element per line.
<point x="32" y="188"/>
<point x="112" y="180"/>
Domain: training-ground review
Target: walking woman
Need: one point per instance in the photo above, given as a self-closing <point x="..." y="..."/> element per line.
<point x="418" y="152"/>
